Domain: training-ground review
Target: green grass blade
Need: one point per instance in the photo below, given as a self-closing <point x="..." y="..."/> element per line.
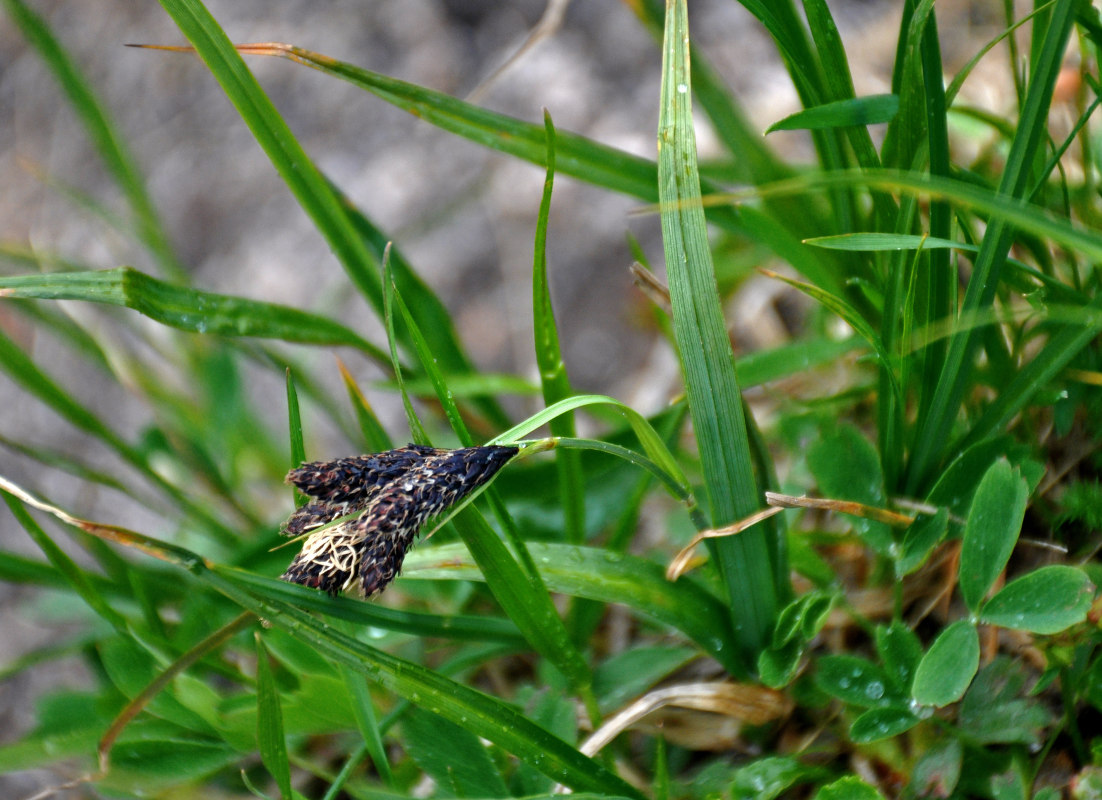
<point x="77" y="578"/>
<point x="102" y="132"/>
<point x="431" y="314"/>
<point x="23" y="371"/>
<point x="188" y="309"/>
<point x="512" y="575"/>
<point x="332" y="216"/>
<point x="715" y="402"/>
<point x="577" y="156"/>
<point x="497" y="721"/>
<point x="596" y="574"/>
<point x="484" y="628"/>
<point x="269" y="723"/>
<point x="553" y="378"/>
<point x="1000" y="207"/>
<point x="854" y="111"/>
<point x="956" y="374"/>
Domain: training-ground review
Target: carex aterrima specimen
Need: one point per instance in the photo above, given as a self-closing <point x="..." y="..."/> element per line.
<point x="386" y="498"/>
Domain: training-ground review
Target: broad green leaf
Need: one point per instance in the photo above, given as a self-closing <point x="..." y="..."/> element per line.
<point x="882" y="723"/>
<point x="748" y="563"/>
<point x="992" y="529"/>
<point x="269" y="723"/>
<point x="856" y="681"/>
<point x="948" y="667"/>
<point x="1046" y="601"/>
<point x="841" y="114"/>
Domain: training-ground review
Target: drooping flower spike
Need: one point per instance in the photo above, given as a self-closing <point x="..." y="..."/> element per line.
<point x="391" y="496"/>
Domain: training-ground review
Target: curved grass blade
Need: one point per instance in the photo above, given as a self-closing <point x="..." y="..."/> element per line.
<point x="511" y="573"/>
<point x="596" y="574"/>
<point x="372" y="615"/>
<point x="188" y="309"/>
<point x="871" y="110"/>
<point x="553" y="377"/>
<point x="485" y="716"/>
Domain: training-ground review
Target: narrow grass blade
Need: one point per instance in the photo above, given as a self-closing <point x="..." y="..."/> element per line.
<point x="869" y="110"/>
<point x="332" y="216"/>
<point x="102" y="132"/>
<point x="596" y="574"/>
<point x="269" y="723"/>
<point x="485" y="716"/>
<point x="577" y="156"/>
<point x="956" y="374"/>
<point x="77" y="578"/>
<point x="553" y="377"/>
<point x="23" y="371"/>
<point x="715" y="401"/>
<point x="511" y="573"/>
<point x="1000" y="207"/>
<point x="458" y="627"/>
<point x="188" y="309"/>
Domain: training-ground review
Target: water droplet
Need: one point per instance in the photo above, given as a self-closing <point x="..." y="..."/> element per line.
<point x="875" y="690"/>
<point x="682" y="88"/>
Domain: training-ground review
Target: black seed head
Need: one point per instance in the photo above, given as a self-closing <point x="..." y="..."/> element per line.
<point x="395" y="493"/>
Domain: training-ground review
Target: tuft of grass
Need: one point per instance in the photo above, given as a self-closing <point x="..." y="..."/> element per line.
<point x="950" y="525"/>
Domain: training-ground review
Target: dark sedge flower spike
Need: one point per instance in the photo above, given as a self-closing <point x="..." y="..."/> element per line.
<point x="386" y="499"/>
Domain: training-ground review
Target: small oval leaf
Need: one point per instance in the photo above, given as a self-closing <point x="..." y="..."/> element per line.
<point x="948" y="667"/>
<point x="881" y="723"/>
<point x="855" y="681"/>
<point x="1048" y="600"/>
<point x="992" y="529"/>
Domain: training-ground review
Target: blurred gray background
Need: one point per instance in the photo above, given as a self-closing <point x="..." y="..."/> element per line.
<point x="465" y="217"/>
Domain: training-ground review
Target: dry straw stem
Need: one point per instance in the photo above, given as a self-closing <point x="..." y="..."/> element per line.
<point x="682" y="562"/>
<point x="892" y="518"/>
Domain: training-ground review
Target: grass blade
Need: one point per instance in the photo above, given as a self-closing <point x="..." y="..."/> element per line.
<point x="932" y="435"/>
<point x="553" y="378"/>
<point x="188" y="309"/>
<point x="715" y="402"/>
